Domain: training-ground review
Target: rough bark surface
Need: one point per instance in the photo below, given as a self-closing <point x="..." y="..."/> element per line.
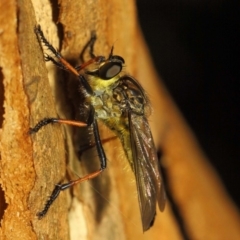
<point x="31" y="165"/>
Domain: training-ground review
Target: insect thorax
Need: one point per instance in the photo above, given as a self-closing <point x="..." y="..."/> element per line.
<point x="114" y="98"/>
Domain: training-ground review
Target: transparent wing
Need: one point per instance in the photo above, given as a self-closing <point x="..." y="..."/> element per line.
<point x="146" y="169"/>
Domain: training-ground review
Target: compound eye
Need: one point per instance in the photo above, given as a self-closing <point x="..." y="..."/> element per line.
<point x="109" y="70"/>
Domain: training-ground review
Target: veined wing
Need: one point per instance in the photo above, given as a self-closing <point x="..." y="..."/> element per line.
<point x="147" y="172"/>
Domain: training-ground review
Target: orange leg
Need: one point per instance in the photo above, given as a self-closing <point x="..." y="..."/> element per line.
<point x="60" y="187"/>
<point x="63" y="63"/>
<point x="46" y="121"/>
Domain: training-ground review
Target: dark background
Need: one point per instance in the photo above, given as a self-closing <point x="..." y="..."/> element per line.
<point x="195" y="48"/>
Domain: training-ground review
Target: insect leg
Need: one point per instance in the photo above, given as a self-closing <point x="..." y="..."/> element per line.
<point x="90" y="121"/>
<point x="46" y="121"/>
<point x="86" y="147"/>
<point x="65" y="65"/>
<point x="98" y="143"/>
<point x="58" y="64"/>
<point x="60" y="187"/>
<point x="89" y="44"/>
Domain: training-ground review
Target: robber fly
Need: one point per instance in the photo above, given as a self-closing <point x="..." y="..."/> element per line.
<point x="120" y="102"/>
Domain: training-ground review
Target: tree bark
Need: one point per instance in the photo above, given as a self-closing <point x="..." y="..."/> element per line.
<point x="31" y="165"/>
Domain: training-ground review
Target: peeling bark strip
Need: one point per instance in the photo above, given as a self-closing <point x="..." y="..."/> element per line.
<point x="29" y="168"/>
